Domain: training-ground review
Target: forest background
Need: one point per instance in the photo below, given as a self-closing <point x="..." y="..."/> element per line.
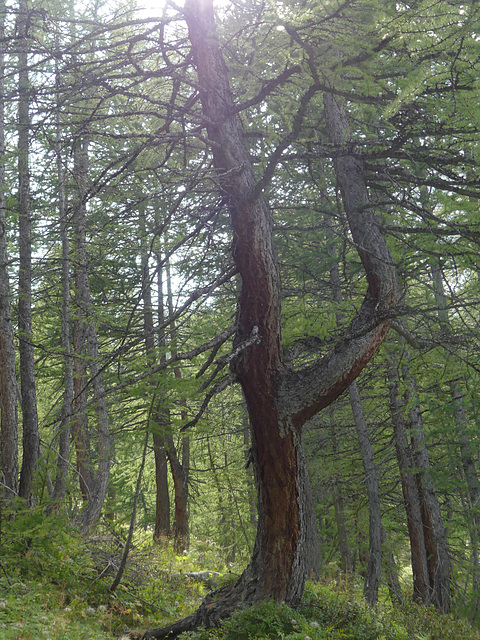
<point x="134" y="364"/>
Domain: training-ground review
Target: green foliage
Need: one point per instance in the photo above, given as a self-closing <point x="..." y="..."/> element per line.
<point x="37" y="547"/>
<point x="332" y="614"/>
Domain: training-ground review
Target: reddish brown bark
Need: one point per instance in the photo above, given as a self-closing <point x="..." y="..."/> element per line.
<point x="279" y="401"/>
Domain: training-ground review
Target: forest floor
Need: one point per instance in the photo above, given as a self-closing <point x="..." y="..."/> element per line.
<point x="54" y="586"/>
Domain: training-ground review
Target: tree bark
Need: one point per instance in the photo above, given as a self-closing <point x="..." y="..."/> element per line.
<point x="346" y="560"/>
<point x="374" y="565"/>
<point x="467" y="455"/>
<point x="8" y="381"/>
<point x="162" y="529"/>
<point x="180" y="489"/>
<point x="97" y="479"/>
<point x="31" y="437"/>
<point x="279" y="400"/>
<point x="438" y="561"/>
<point x="64" y="427"/>
<point x="421" y="586"/>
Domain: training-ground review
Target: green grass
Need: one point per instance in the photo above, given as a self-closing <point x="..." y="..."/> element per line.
<point x="54" y="586"/>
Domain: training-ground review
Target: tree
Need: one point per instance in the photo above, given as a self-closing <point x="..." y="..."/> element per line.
<point x="8" y="382"/>
<point x="279" y="400"/>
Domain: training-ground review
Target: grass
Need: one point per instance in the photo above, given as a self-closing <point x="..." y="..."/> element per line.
<point x="53" y="586"/>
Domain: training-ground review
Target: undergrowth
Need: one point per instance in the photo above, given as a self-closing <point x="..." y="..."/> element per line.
<point x="55" y="586"/>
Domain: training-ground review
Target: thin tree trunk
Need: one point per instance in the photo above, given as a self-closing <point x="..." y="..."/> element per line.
<point x="162" y="498"/>
<point x="374" y="566"/>
<point x="31" y="437"/>
<point x="178" y="469"/>
<point x="180" y="487"/>
<point x="467" y="454"/>
<point x="393" y="581"/>
<point x="438" y="561"/>
<point x="68" y="394"/>
<point x="8" y="381"/>
<point x="86" y="325"/>
<point x="421" y="583"/>
<point x="374" y="563"/>
<point x="346" y="560"/>
<point x="162" y="530"/>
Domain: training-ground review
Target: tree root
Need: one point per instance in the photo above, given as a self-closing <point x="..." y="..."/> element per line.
<point x="217" y="605"/>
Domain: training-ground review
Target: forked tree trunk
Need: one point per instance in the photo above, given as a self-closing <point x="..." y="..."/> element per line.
<point x="8" y="382"/>
<point x="279" y="400"/>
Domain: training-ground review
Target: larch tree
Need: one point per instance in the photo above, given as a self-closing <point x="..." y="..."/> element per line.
<point x="31" y="435"/>
<point x="8" y="382"/>
<point x="280" y="399"/>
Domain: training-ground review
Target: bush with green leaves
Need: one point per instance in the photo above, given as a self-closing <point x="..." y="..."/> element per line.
<point x="35" y="546"/>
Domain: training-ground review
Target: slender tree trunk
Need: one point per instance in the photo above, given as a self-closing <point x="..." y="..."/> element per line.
<point x="421" y="586"/>
<point x="98" y="478"/>
<point x="162" y="501"/>
<point x="68" y="393"/>
<point x="467" y="453"/>
<point x="162" y="497"/>
<point x="374" y="563"/>
<point x="178" y="469"/>
<point x="162" y="529"/>
<point x="31" y="437"/>
<point x="374" y="566"/>
<point x="180" y="488"/>
<point x="430" y="560"/>
<point x="393" y="582"/>
<point x="8" y="382"/>
<point x="346" y="560"/>
<point x="438" y="560"/>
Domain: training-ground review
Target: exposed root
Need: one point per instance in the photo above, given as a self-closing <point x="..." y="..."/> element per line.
<point x="217" y="605"/>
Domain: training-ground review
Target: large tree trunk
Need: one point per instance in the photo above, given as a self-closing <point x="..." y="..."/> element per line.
<point x="8" y="382"/>
<point x="279" y="400"/>
<point x="31" y="437"/>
